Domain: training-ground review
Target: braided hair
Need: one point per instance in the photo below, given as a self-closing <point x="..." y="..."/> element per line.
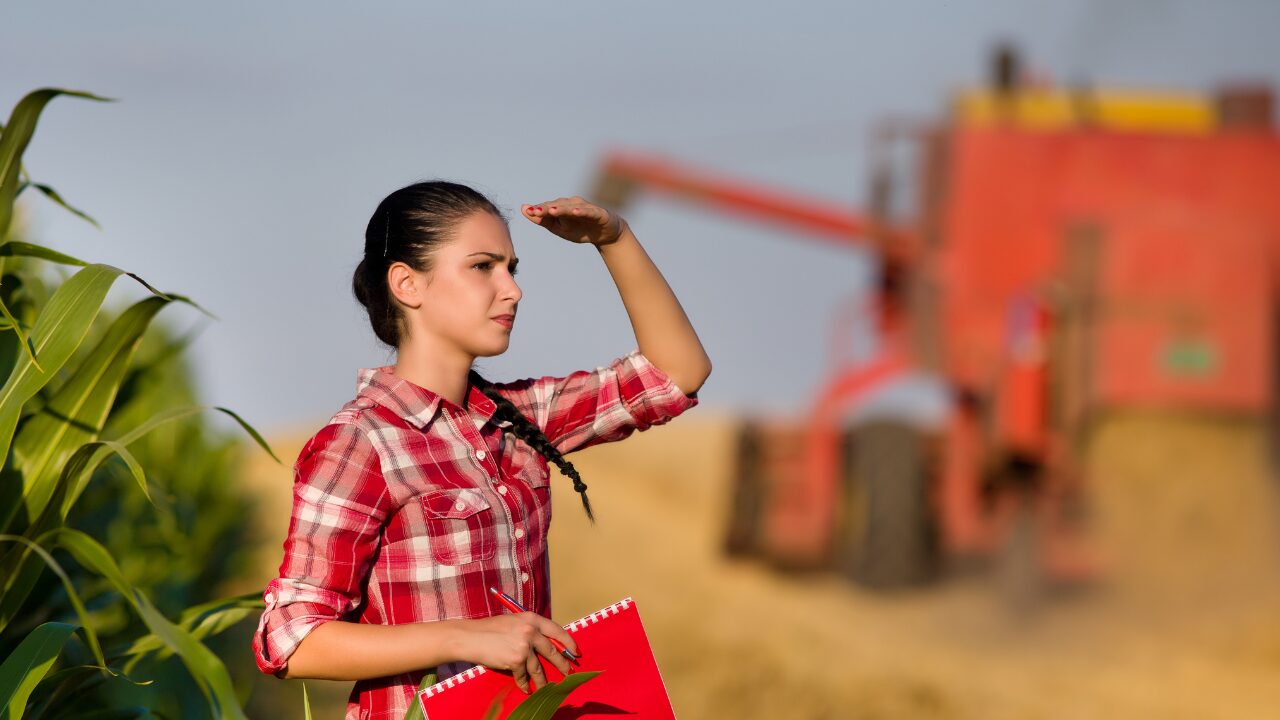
<point x="408" y="226"/>
<point x="526" y="430"/>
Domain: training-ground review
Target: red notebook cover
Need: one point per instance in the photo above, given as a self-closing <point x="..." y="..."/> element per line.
<point x="611" y="640"/>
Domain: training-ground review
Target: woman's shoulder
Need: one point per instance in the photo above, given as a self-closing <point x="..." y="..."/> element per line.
<point x="355" y="423"/>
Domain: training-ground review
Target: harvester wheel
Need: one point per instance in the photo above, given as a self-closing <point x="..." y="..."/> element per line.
<point x="747" y="495"/>
<point x="886" y="534"/>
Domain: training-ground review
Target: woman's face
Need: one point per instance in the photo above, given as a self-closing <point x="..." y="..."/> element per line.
<point x="470" y="287"/>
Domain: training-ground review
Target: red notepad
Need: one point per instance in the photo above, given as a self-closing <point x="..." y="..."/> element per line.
<point x="611" y="640"/>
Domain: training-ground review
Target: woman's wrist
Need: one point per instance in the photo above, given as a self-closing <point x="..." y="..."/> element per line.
<point x="448" y="638"/>
<point x="625" y="237"/>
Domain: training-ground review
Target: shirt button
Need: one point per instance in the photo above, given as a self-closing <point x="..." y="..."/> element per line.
<point x="460" y="506"/>
<point x="524" y="577"/>
<point x="480" y="454"/>
<point x="519" y="533"/>
<point x="270" y="597"/>
<point x="502" y="489"/>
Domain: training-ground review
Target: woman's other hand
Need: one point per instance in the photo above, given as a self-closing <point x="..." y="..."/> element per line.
<point x="577" y="220"/>
<point x="514" y="642"/>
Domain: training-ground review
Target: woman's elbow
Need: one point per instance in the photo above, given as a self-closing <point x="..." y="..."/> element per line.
<point x="691" y="381"/>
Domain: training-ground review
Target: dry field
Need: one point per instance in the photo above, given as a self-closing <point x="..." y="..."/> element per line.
<point x="1186" y="623"/>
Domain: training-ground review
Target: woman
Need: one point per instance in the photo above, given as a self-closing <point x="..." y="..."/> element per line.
<point x="431" y="485"/>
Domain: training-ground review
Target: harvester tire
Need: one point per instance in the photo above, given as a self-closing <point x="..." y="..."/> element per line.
<point x="886" y="533"/>
<point x="746" y="500"/>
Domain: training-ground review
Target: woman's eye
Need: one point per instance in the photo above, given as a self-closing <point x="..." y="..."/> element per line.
<point x="513" y="272"/>
<point x="484" y="265"/>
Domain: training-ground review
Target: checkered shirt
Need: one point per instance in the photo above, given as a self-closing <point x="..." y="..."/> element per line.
<point x="406" y="507"/>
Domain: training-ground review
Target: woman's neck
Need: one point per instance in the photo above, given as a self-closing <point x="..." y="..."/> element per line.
<point x="445" y="373"/>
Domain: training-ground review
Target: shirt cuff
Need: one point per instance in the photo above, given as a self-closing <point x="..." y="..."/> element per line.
<point x="283" y="625"/>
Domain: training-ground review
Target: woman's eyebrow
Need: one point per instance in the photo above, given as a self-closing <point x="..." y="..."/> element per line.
<point x="496" y="256"/>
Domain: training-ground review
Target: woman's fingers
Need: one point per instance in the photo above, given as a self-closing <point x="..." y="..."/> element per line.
<point x="537" y="678"/>
<point x="552" y="630"/>
<point x="520" y="673"/>
<point x="548" y="651"/>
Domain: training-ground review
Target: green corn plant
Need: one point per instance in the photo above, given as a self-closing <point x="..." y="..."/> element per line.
<point x="114" y="508"/>
<point x="542" y="704"/>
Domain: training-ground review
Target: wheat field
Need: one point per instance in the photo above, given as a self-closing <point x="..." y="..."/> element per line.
<point x="1185" y="623"/>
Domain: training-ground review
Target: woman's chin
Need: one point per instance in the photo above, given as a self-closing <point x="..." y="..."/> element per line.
<point x="496" y="349"/>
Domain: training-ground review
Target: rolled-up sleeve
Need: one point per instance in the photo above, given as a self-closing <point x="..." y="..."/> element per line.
<point x="590" y="407"/>
<point x="339" y="506"/>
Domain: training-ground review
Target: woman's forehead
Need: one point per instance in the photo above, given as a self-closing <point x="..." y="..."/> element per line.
<point x="481" y="232"/>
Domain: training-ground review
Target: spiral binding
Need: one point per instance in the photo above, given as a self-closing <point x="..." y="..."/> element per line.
<point x="574" y="626"/>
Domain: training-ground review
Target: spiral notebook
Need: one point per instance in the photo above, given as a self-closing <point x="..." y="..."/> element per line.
<point x="611" y="640"/>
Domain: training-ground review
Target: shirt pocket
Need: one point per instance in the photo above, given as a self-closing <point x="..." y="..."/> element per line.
<point x="531" y="469"/>
<point x="460" y="524"/>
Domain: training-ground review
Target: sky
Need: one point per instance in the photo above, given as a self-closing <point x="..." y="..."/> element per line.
<point x="250" y="143"/>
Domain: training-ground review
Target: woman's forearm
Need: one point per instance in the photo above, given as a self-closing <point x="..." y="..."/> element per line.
<point x="340" y="650"/>
<point x="663" y="331"/>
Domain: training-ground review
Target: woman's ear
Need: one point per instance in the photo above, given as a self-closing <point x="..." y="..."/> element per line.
<point x="404" y="284"/>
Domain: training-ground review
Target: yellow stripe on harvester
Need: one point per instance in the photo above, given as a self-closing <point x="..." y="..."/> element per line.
<point x="1063" y="109"/>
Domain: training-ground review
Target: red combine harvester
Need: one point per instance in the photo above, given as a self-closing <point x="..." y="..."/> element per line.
<point x="1069" y="252"/>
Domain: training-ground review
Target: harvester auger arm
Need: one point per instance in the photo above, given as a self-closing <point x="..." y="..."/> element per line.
<point x="623" y="174"/>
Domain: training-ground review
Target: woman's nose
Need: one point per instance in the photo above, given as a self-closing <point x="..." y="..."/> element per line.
<point x="512" y="289"/>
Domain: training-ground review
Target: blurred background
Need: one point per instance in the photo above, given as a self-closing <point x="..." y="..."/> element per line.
<point x="990" y="290"/>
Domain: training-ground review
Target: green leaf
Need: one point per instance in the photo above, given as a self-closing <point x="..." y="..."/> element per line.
<point x="58" y="331"/>
<point x="80" y="468"/>
<point x="76" y="413"/>
<point x="306" y="703"/>
<point x="23" y="338"/>
<point x="253" y="433"/>
<point x="14" y="248"/>
<point x="14" y="140"/>
<point x="544" y="702"/>
<point x="129" y="713"/>
<point x="17" y="587"/>
<point x="27" y="665"/>
<point x="179" y="413"/>
<point x="206" y="669"/>
<point x="415" y="708"/>
<point x="201" y="621"/>
<point x="54" y="196"/>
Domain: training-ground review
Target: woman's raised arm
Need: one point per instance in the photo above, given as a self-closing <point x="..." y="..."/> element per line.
<point x="663" y="331"/>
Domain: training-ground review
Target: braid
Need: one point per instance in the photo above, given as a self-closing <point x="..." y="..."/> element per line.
<point x="526" y="430"/>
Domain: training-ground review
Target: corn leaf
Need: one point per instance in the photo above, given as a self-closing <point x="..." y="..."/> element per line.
<point x="415" y="708"/>
<point x="27" y="665"/>
<point x="201" y="621"/>
<point x="23" y="338"/>
<point x="17" y="587"/>
<point x="76" y="413"/>
<point x="544" y="702"/>
<point x="206" y="669"/>
<point x="15" y="248"/>
<point x="179" y="413"/>
<point x="14" y="140"/>
<point x="129" y="713"/>
<point x="58" y="331"/>
<point x="86" y="460"/>
<point x="54" y="196"/>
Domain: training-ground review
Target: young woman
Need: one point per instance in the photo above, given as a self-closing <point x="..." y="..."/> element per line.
<point x="431" y="485"/>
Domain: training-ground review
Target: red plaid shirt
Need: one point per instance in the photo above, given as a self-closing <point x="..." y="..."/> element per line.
<point x="406" y="507"/>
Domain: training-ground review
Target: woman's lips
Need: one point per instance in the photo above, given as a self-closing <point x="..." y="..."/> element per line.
<point x="507" y="321"/>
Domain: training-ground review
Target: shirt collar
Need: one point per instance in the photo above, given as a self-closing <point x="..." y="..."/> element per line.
<point x="415" y="404"/>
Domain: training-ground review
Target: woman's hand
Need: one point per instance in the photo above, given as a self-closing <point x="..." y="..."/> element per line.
<point x="513" y="643"/>
<point x="577" y="220"/>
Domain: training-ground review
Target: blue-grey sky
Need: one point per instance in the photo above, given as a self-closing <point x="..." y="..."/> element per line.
<point x="251" y="142"/>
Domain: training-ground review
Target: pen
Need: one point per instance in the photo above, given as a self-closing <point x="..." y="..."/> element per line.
<point x="510" y="603"/>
